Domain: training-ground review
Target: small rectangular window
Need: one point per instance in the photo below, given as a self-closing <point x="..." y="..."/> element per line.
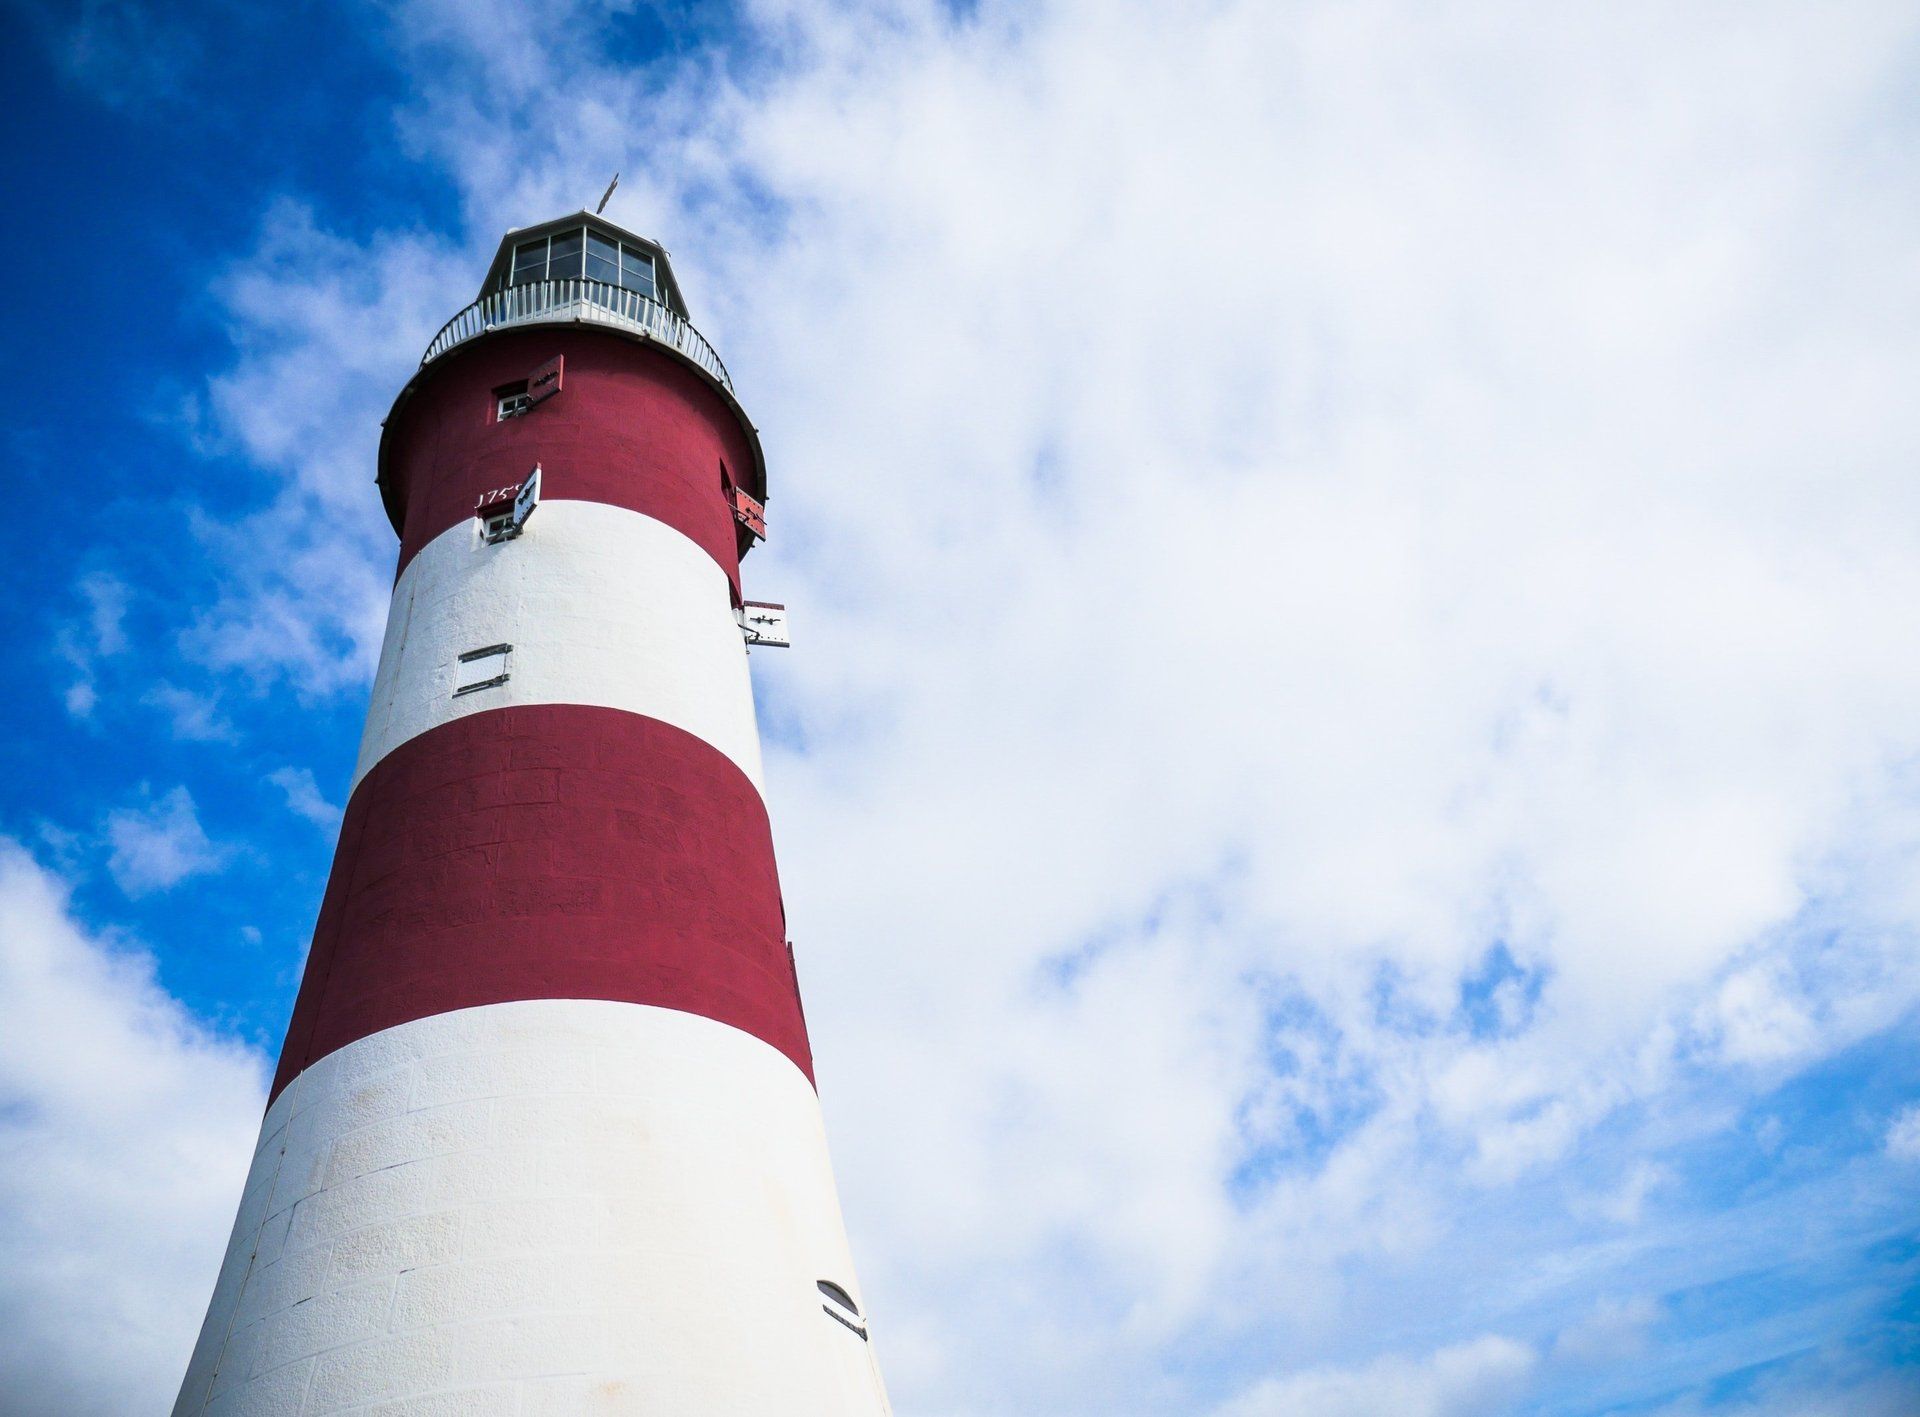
<point x="636" y="271"/>
<point x="529" y="262"/>
<point x="603" y="259"/>
<point x="481" y="669"/>
<point x="564" y="263"/>
<point x="511" y="400"/>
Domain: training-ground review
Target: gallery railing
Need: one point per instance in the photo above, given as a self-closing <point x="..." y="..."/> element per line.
<point x="550" y="301"/>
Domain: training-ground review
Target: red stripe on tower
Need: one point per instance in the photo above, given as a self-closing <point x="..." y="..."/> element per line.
<point x="550" y="852"/>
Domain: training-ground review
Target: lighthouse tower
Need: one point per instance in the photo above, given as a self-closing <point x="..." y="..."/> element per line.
<point x="544" y="1136"/>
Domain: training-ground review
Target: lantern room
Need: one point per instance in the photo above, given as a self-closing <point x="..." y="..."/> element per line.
<point x="589" y="248"/>
<point x="582" y="268"/>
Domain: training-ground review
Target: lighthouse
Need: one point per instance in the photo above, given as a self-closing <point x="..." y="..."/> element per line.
<point x="544" y="1137"/>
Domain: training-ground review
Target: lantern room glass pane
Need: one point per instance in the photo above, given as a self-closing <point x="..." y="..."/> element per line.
<point x="636" y="271"/>
<point x="564" y="263"/>
<point x="529" y="262"/>
<point x="603" y="259"/>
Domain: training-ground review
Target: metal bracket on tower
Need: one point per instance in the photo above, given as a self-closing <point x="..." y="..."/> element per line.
<point x="765" y="624"/>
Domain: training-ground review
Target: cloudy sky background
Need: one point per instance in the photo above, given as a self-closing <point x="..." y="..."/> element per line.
<point x="1349" y="793"/>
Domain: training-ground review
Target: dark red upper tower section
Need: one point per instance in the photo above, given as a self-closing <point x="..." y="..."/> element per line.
<point x="653" y="424"/>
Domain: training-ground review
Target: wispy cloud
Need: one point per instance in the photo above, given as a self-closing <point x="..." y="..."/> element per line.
<point x="98" y="634"/>
<point x="1903" y="1134"/>
<point x="160" y="843"/>
<point x="330" y="332"/>
<point x="126" y="53"/>
<point x="1831" y="1389"/>
<point x="1615" y="1331"/>
<point x="1477" y="1379"/>
<point x="195" y="717"/>
<point x="304" y="798"/>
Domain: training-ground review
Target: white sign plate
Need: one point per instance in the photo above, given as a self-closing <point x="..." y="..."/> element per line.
<point x="764" y="624"/>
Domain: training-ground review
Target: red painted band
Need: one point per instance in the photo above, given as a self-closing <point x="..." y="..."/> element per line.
<point x="552" y="851"/>
<point x="634" y="427"/>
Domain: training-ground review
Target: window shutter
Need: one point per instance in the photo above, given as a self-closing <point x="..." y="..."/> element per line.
<point x="543" y="383"/>
<point x="749" y="513"/>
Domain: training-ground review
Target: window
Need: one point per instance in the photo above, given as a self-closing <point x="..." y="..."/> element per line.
<point x="636" y="271"/>
<point x="510" y="401"/>
<point x="481" y="669"/>
<point x="576" y="252"/>
<point x="563" y="261"/>
<point x="529" y="262"/>
<point x="567" y="255"/>
<point x="603" y="259"/>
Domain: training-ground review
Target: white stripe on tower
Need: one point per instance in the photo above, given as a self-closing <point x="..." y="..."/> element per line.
<point x="551" y="1206"/>
<point x="602" y="606"/>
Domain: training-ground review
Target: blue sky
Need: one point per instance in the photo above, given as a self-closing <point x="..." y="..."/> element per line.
<point x="1346" y="793"/>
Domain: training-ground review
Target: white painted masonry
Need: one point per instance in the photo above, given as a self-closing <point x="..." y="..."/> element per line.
<point x="602" y="606"/>
<point x="546" y="1207"/>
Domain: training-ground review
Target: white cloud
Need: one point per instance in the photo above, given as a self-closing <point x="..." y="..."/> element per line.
<point x="159" y="844"/>
<point x="1625" y="1205"/>
<point x="196" y="717"/>
<point x="101" y="634"/>
<point x="329" y="331"/>
<point x="1903" y="1134"/>
<point x="1285" y="497"/>
<point x="1477" y="1379"/>
<point x="1754" y="1017"/>
<point x="1824" y="1394"/>
<point x="125" y="1131"/>
<point x="106" y="600"/>
<point x="1614" y="1331"/>
<point x="303" y="797"/>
